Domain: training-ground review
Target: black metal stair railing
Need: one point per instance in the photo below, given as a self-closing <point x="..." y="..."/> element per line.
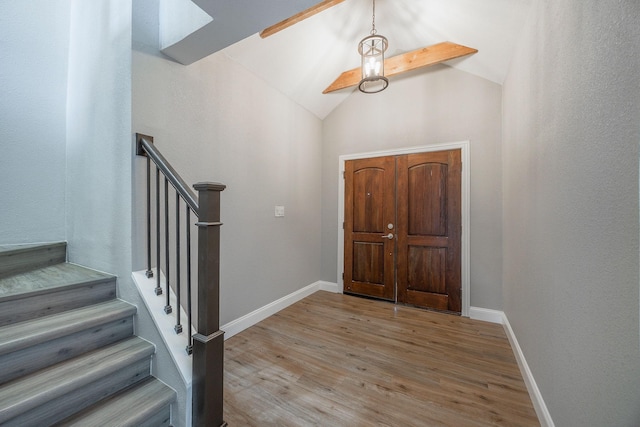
<point x="207" y="344"/>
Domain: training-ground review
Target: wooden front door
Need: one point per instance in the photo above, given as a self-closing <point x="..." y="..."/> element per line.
<point x="429" y="230"/>
<point x="416" y="198"/>
<point x="369" y="243"/>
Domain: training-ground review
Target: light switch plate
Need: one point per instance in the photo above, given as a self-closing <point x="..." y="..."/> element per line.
<point x="279" y="211"/>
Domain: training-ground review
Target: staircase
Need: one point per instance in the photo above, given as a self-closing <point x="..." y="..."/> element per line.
<point x="68" y="356"/>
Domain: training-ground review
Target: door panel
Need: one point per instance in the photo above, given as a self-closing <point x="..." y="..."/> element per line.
<point x="426" y="269"/>
<point x="369" y="192"/>
<point x="369" y="267"/>
<point x="368" y="262"/>
<point x="429" y="230"/>
<point x="427" y="194"/>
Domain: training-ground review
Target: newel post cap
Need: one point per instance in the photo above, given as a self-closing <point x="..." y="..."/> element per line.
<point x="209" y="186"/>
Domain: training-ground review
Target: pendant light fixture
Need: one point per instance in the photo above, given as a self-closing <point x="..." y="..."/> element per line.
<point x="371" y="49"/>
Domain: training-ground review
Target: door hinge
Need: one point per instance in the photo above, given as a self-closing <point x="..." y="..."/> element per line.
<point x="343" y="174"/>
<point x="343" y="225"/>
<point x="343" y="276"/>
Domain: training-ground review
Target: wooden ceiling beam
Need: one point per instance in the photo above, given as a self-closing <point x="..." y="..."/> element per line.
<point x="418" y="58"/>
<point x="326" y="4"/>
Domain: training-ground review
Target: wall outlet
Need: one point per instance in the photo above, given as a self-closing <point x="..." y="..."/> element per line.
<point x="279" y="211"/>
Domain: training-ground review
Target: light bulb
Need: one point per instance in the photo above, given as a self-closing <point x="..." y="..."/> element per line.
<point x="372" y="65"/>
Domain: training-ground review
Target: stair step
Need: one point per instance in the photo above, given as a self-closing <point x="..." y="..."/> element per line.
<point x="146" y="404"/>
<point x="54" y="393"/>
<point x="51" y="290"/>
<point x="47" y="279"/>
<point x="67" y="350"/>
<point x="16" y="259"/>
<point x="34" y="344"/>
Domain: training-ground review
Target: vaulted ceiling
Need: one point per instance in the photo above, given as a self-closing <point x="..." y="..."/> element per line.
<point x="302" y="60"/>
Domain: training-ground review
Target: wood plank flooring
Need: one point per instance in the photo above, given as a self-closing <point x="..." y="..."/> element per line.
<point x="338" y="360"/>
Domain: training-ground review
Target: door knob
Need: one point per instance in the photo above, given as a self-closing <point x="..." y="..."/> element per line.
<point x="388" y="236"/>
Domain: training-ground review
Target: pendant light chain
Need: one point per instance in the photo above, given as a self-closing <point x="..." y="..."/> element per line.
<point x="373" y="21"/>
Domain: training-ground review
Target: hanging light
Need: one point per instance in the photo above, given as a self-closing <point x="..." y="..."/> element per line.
<point x="371" y="49"/>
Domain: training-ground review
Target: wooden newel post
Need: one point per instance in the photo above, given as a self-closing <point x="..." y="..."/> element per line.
<point x="208" y="342"/>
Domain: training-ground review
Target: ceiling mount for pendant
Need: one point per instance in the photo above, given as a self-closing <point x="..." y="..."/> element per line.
<point x="371" y="50"/>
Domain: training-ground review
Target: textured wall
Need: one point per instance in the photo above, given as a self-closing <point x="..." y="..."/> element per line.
<point x="215" y="121"/>
<point x="99" y="136"/>
<point x="438" y="105"/>
<point x="571" y="135"/>
<point x="34" y="40"/>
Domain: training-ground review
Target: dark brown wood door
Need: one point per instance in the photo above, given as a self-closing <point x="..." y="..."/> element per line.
<point x="369" y="244"/>
<point x="429" y="230"/>
<point x="403" y="229"/>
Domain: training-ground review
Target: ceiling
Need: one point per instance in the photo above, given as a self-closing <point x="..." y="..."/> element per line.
<point x="302" y="60"/>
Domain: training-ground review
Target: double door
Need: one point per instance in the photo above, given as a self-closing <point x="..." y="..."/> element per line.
<point x="402" y="230"/>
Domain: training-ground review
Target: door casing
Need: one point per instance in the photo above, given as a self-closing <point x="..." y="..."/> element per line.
<point x="465" y="193"/>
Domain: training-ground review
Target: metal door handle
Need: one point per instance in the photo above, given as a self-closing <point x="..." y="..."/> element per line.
<point x="388" y="236"/>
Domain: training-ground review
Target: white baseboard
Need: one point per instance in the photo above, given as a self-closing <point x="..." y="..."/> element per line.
<point x="534" y="392"/>
<point x="486" y="314"/>
<point x="327" y="286"/>
<point x="497" y="316"/>
<point x="236" y="326"/>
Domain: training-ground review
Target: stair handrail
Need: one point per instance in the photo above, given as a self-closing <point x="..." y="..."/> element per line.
<point x="145" y="147"/>
<point x="207" y="344"/>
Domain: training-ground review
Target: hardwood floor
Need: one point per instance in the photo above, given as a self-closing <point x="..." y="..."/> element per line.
<point x="338" y="360"/>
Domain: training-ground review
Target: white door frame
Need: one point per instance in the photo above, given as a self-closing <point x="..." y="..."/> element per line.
<point x="464" y="147"/>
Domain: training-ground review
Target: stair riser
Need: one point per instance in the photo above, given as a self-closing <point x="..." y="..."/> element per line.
<point x="161" y="419"/>
<point x="61" y="407"/>
<point x="147" y="403"/>
<point x="45" y="354"/>
<point x="44" y="304"/>
<point x="19" y="261"/>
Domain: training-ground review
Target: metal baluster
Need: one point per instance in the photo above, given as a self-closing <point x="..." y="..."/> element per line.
<point x="158" y="289"/>
<point x="189" y="348"/>
<point x="167" y="307"/>
<point x="178" y="326"/>
<point x="149" y="273"/>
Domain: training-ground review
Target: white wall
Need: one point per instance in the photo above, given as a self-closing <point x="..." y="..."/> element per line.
<point x="432" y="106"/>
<point x="571" y="135"/>
<point x="99" y="136"/>
<point x="34" y="40"/>
<point x="215" y="121"/>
